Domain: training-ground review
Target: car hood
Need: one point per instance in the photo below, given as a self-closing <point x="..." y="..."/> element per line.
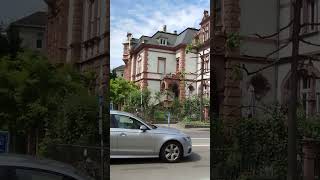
<point x="167" y="130"/>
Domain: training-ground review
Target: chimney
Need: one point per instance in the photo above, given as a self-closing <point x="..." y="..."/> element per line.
<point x="129" y="36"/>
<point x="165" y="28"/>
<point x="175" y="32"/>
<point x="206" y="13"/>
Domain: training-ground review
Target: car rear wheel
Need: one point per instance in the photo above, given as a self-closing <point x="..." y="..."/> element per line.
<point x="171" y="152"/>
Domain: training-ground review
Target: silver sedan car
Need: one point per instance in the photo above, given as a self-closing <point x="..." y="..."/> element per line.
<point x="130" y="137"/>
<point x="24" y="167"/>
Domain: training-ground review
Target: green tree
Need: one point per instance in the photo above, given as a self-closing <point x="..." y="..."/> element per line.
<point x="31" y="93"/>
<point x="120" y="91"/>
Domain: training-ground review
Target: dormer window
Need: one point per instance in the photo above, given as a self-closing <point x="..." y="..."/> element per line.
<point x="163" y="41"/>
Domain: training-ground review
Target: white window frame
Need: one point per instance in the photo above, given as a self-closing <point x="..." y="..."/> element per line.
<point x="206" y="32"/>
<point x="315" y="9"/>
<point x="317" y="91"/>
<point x="305" y="91"/>
<point x="163" y="41"/>
<point x="306" y="15"/>
<point x="164" y="65"/>
<point x="139" y="61"/>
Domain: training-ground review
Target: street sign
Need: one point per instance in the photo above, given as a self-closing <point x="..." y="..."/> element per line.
<point x="4" y="141"/>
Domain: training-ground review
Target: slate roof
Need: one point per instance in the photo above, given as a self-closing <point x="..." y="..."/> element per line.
<point x="37" y="19"/>
<point x="119" y="68"/>
<point x="185" y="37"/>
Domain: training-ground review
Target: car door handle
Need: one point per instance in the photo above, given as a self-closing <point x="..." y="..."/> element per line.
<point x="123" y="134"/>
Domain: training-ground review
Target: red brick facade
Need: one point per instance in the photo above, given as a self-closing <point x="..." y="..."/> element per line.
<point x="230" y="97"/>
<point x="144" y="82"/>
<point x="67" y="42"/>
<point x="57" y="29"/>
<point x="182" y="64"/>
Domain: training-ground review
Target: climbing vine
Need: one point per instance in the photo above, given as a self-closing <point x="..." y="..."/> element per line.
<point x="233" y="40"/>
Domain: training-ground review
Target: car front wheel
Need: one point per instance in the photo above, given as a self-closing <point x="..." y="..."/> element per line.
<point x="171" y="152"/>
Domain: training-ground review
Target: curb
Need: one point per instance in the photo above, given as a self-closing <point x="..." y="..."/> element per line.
<point x="194" y="126"/>
<point x="190" y="126"/>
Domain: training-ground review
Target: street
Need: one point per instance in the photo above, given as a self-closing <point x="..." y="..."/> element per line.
<point x="193" y="167"/>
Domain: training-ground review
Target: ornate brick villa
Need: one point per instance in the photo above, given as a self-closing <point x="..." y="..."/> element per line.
<point x="160" y="61"/>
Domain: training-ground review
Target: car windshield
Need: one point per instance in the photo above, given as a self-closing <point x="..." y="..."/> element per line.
<point x="149" y="124"/>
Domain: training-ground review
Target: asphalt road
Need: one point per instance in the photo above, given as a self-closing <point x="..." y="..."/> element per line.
<point x="194" y="167"/>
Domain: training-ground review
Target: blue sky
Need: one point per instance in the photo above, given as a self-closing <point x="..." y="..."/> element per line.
<point x="145" y="17"/>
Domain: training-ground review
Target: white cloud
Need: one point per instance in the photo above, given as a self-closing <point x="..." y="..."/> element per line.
<point x="146" y="20"/>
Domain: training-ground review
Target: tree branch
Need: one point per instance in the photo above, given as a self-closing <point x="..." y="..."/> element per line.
<point x="274" y="34"/>
<point x="280" y="48"/>
<point x="259" y="70"/>
<point x="218" y="50"/>
<point x="309" y="43"/>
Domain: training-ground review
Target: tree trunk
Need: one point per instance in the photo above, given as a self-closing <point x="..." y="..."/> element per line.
<point x="292" y="115"/>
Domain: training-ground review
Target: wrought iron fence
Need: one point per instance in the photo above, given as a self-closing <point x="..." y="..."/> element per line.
<point x="229" y="164"/>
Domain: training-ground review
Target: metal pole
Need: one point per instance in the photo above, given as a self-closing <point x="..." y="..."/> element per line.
<point x="168" y="119"/>
<point x="141" y="108"/>
<point x="201" y="85"/>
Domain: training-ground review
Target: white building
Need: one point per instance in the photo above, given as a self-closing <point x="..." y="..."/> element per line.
<point x="161" y="63"/>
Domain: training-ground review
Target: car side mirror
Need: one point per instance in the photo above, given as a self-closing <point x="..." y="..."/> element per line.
<point x="143" y="128"/>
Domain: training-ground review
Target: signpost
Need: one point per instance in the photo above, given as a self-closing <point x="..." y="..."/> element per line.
<point x="168" y="119"/>
<point x="111" y="105"/>
<point x="4" y="141"/>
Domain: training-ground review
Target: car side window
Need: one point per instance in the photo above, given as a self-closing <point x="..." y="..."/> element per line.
<point x="31" y="174"/>
<point x="127" y="122"/>
<point x="112" y="122"/>
<point x="6" y="173"/>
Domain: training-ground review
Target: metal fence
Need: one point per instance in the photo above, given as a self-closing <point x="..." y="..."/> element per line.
<point x="85" y="158"/>
<point x="229" y="164"/>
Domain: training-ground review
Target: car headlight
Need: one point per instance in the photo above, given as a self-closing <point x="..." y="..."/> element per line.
<point x="188" y="139"/>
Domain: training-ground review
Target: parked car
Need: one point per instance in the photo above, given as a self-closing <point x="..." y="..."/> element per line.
<point x="23" y="167"/>
<point x="131" y="137"/>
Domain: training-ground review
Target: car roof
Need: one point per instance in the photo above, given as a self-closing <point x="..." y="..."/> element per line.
<point x="121" y="112"/>
<point x="27" y="161"/>
<point x="129" y="114"/>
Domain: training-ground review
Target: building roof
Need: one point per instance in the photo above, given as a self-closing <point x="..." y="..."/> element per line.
<point x="119" y="68"/>
<point x="185" y="37"/>
<point x="37" y="19"/>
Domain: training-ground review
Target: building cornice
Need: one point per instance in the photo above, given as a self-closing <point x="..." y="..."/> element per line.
<point x="169" y="48"/>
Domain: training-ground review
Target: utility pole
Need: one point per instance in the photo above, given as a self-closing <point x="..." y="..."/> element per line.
<point x="292" y="115"/>
<point x="101" y="122"/>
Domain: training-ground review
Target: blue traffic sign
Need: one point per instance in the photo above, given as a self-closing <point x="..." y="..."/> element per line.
<point x="4" y="142"/>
